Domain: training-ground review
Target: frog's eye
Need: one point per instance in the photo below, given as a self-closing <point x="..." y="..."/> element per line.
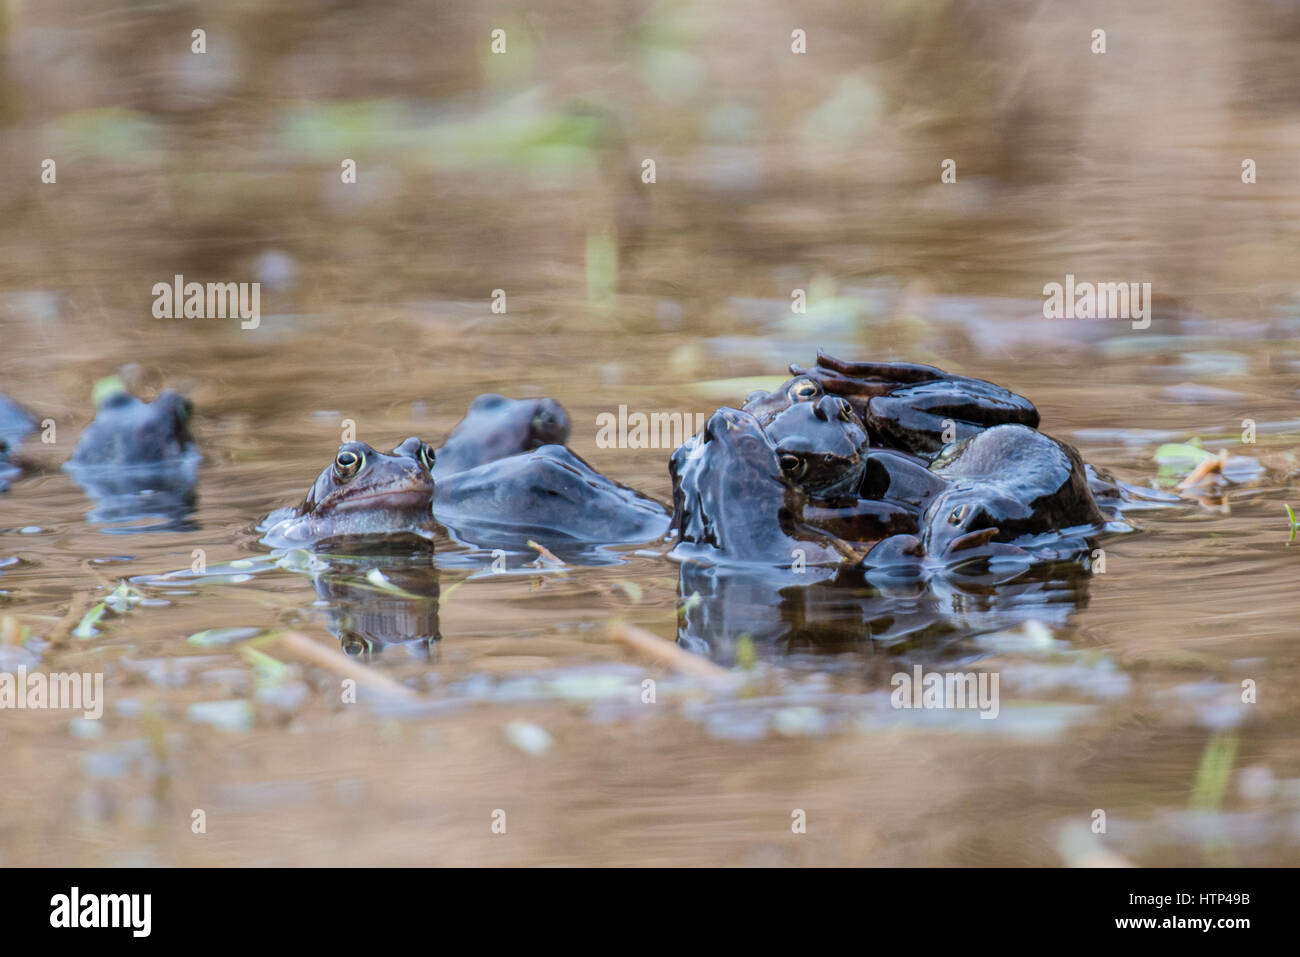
<point x="792" y="465"/>
<point x="958" y="514"/>
<point x="427" y="455"/>
<point x="347" y="464"/>
<point x="803" y="389"/>
<point x="354" y="646"/>
<point x="845" y="413"/>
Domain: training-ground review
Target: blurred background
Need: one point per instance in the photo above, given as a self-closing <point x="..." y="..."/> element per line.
<point x="522" y="171"/>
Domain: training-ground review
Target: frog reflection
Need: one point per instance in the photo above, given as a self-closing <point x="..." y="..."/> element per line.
<point x="378" y="604"/>
<point x="138" y="461"/>
<point x="16" y="423"/>
<point x="825" y="611"/>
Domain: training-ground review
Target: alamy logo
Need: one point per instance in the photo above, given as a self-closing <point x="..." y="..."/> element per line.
<point x="642" y="430"/>
<point x="179" y="299"/>
<point x="103" y="910"/>
<point x="38" y="691"/>
<point x="943" y="690"/>
<point x="1101" y="300"/>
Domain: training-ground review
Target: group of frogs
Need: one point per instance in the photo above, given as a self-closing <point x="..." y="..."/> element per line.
<point x="891" y="467"/>
<point x="885" y="466"/>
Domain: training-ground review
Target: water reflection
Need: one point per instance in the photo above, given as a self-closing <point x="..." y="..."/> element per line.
<point x="376" y="602"/>
<point x="838" y="610"/>
<point x="148" y="498"/>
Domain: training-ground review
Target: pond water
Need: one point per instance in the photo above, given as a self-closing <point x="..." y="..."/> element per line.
<point x="1156" y="691"/>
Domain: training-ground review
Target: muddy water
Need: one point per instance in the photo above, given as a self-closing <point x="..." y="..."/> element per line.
<point x="1121" y="691"/>
<point x="1114" y="688"/>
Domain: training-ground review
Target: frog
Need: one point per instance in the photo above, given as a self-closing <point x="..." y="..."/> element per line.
<point x="8" y="470"/>
<point x="913" y="407"/>
<point x="1013" y="494"/>
<point x="138" y="460"/>
<point x="765" y="405"/>
<point x="16" y="422"/>
<point x="549" y="496"/>
<point x="821" y="447"/>
<point x="129" y="433"/>
<point x="733" y="503"/>
<point x="495" y="427"/>
<point x="364" y="500"/>
<point x="852" y="491"/>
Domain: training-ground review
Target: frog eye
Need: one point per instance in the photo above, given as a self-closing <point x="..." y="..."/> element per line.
<point x="427" y="455"/>
<point x="792" y="465"/>
<point x="803" y="389"/>
<point x="958" y="514"/>
<point x="845" y="413"/>
<point x="347" y="464"/>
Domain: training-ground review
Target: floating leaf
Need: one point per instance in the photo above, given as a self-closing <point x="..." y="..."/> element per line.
<point x="123" y="598"/>
<point x="86" y="627"/>
<point x="528" y="737"/>
<point x="230" y="715"/>
<point x="1177" y="459"/>
<point x="270" y="671"/>
<point x="632" y="589"/>
<point x="216" y="637"/>
<point x="384" y="584"/>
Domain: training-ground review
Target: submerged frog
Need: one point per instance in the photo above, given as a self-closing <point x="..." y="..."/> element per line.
<point x="364" y="496"/>
<point x="550" y="496"/>
<point x="495" y="427"/>
<point x="16" y="423"/>
<point x="138" y="460"/>
<point x="1012" y="493"/>
<point x="129" y="433"/>
<point x="912" y="407"/>
<point x="732" y="502"/>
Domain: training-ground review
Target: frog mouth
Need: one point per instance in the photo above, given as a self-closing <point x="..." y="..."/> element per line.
<point x="972" y="540"/>
<point x="410" y="497"/>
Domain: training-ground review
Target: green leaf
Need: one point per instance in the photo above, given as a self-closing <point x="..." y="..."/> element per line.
<point x="269" y="670"/>
<point x="1177" y="459"/>
<point x="86" y="627"/>
<point x="108" y="386"/>
<point x="746" y="655"/>
<point x="632" y="589"/>
<point x="216" y="637"/>
<point x="382" y="582"/>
